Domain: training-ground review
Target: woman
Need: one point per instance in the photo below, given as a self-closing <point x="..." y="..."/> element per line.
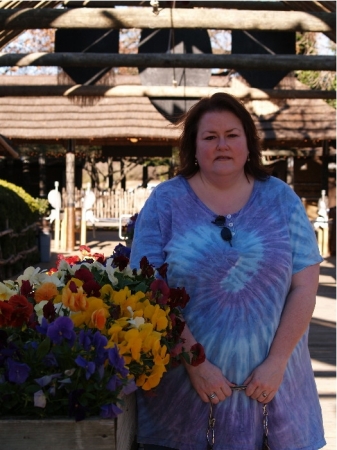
<point x="241" y="244"/>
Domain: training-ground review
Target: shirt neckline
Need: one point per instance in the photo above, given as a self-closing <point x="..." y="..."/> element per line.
<point x="210" y="211"/>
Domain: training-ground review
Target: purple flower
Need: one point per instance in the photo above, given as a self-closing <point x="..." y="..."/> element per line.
<point x="117" y="361"/>
<point x="89" y="366"/>
<point x="42" y="329"/>
<point x="75" y="407"/>
<point x="17" y="372"/>
<point x="62" y="329"/>
<point x="99" y="342"/>
<point x="85" y="339"/>
<point x="110" y="411"/>
<point x="50" y="360"/>
<point x="113" y="383"/>
<point x="44" y="381"/>
<point x="130" y="387"/>
<point x="121" y="250"/>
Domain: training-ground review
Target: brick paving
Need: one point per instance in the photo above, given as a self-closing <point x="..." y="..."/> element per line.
<point x="322" y="336"/>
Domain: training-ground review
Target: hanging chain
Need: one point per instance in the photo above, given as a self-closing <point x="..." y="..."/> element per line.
<point x="210" y="430"/>
<point x="265" y="445"/>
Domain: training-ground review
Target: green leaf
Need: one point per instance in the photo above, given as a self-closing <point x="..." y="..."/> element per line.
<point x="43" y="348"/>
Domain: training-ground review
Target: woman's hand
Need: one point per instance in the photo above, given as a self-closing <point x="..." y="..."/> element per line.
<point x="263" y="383"/>
<point x="207" y="379"/>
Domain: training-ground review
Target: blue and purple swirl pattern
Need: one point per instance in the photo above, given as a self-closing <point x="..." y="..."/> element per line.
<point x="237" y="296"/>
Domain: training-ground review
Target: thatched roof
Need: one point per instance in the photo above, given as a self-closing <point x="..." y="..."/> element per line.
<point x="111" y="120"/>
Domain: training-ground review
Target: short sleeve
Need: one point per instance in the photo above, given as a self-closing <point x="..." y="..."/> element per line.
<point x="147" y="240"/>
<point x="305" y="251"/>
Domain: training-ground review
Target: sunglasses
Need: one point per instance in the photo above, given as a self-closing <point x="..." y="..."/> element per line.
<point x="226" y="233"/>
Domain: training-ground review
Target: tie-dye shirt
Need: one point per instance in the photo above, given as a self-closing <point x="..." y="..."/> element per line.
<point x="237" y="294"/>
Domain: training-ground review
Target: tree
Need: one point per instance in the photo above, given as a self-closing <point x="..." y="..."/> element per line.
<point x="309" y="44"/>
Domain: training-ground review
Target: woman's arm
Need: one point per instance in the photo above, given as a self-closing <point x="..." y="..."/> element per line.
<point x="295" y="319"/>
<point x="206" y="378"/>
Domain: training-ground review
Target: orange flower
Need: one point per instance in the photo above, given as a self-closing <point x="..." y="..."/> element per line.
<point x="46" y="291"/>
<point x="98" y="318"/>
<point x="75" y="301"/>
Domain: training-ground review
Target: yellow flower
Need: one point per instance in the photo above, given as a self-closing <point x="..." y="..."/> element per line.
<point x="134" y="343"/>
<point x="107" y="292"/>
<point x="114" y="331"/>
<point x="119" y="297"/>
<point x="157" y="316"/>
<point x="152" y="380"/>
<point x="85" y="317"/>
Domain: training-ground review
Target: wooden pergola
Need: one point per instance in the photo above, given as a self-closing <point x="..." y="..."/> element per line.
<point x="308" y="16"/>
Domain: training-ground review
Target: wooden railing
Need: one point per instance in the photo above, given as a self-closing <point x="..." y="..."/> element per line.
<point x="110" y="204"/>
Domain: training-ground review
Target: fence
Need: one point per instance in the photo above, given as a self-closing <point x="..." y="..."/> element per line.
<point x="109" y="204"/>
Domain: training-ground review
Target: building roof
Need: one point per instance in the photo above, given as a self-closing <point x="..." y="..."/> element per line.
<point x="114" y="120"/>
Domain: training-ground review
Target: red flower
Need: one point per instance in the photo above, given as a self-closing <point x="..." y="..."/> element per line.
<point x="26" y="288"/>
<point x="91" y="288"/>
<point x="84" y="274"/>
<point x="161" y="291"/>
<point x="178" y="298"/>
<point x="163" y="270"/>
<point x="178" y="325"/>
<point x="147" y="268"/>
<point x="5" y="313"/>
<point x="99" y="257"/>
<point x="121" y="262"/>
<point x="198" y="354"/>
<point x="49" y="311"/>
<point x="22" y="310"/>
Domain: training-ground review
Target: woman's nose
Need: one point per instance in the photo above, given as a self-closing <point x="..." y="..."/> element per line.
<point x="222" y="142"/>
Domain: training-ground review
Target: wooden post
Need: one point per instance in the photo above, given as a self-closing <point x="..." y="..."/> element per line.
<point x="63" y="244"/>
<point x="290" y="171"/>
<point x="70" y="189"/>
<point x="42" y="175"/>
<point x="83" y="238"/>
<point x="57" y="220"/>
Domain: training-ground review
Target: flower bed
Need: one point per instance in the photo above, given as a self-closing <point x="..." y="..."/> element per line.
<point x="76" y="339"/>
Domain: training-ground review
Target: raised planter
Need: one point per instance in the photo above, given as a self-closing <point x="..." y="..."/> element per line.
<point x="66" y="434"/>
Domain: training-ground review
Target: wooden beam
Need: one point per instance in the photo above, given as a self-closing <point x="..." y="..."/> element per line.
<point x="256" y="5"/>
<point x="9" y="148"/>
<point x="259" y="62"/>
<point x="108" y="18"/>
<point x="157" y="92"/>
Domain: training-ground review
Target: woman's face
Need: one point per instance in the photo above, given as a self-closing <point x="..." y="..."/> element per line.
<point x="221" y="144"/>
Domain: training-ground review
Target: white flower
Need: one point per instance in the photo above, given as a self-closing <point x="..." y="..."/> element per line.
<point x="34" y="276"/>
<point x="110" y="271"/>
<point x="40" y="400"/>
<point x="64" y="266"/>
<point x="137" y="321"/>
<point x="39" y="309"/>
<point x="128" y="271"/>
<point x="6" y="292"/>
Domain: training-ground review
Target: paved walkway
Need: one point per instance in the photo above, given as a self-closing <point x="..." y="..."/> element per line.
<point x="322" y="337"/>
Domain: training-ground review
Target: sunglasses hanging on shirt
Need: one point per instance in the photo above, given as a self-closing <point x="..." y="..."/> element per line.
<point x="225" y="233"/>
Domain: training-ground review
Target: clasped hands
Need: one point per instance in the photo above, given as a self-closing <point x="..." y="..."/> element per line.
<point x="212" y="386"/>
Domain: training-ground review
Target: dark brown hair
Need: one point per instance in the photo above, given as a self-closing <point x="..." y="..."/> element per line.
<point x="190" y="123"/>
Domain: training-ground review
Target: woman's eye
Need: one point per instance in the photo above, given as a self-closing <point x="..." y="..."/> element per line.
<point x="232" y="135"/>
<point x="209" y="138"/>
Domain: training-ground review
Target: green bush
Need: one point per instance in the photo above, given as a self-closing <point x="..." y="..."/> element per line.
<point x="18" y="211"/>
